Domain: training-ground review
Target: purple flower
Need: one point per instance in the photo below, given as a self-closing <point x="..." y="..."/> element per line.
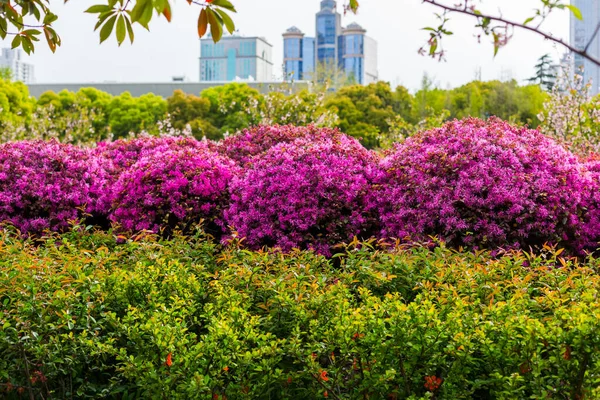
<point x="46" y="185"/>
<point x="173" y="186"/>
<point x="305" y="194"/>
<point x="485" y="183"/>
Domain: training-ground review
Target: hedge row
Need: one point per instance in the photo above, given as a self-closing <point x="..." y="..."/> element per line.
<point x="472" y="183"/>
<point x="83" y="317"/>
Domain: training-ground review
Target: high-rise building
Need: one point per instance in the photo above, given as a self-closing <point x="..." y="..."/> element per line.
<point x="20" y="70"/>
<point x="328" y="30"/>
<point x="298" y="54"/>
<point x="582" y="33"/>
<point x="333" y="46"/>
<point x="358" y="54"/>
<point x="236" y="58"/>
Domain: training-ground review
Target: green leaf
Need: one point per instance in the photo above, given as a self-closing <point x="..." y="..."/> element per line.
<point x="576" y="12"/>
<point x="216" y="29"/>
<point x="138" y="9"/>
<point x="121" y="31"/>
<point x="227" y="21"/>
<point x="97" y="9"/>
<point x="101" y="18"/>
<point x="129" y="29"/>
<point x="16" y="42"/>
<point x="107" y="28"/>
<point x="528" y="20"/>
<point x="225" y="4"/>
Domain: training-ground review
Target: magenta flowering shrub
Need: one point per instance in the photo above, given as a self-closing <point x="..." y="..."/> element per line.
<point x="590" y="232"/>
<point x="116" y="157"/>
<point x="305" y="194"/>
<point x="46" y="185"/>
<point x="173" y="187"/>
<point x="475" y="183"/>
<point x="245" y="145"/>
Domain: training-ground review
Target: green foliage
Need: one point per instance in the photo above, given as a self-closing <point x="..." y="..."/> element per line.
<point x="15" y="104"/>
<point x="187" y="109"/>
<point x="86" y="317"/>
<point x="233" y="106"/>
<point x="135" y="114"/>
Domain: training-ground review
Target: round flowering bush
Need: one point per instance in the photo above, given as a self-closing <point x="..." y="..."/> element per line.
<point x="305" y="194"/>
<point x="475" y="183"/>
<point x="45" y="185"/>
<point x="173" y="187"/>
<point x="116" y="157"/>
<point x="590" y="235"/>
<point x="245" y="145"/>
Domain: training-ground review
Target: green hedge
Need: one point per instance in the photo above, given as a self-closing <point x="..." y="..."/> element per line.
<point x="85" y="317"/>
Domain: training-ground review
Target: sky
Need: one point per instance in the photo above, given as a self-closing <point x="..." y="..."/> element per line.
<point x="172" y="49"/>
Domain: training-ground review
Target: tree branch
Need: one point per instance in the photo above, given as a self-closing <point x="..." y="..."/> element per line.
<point x="513" y="24"/>
<point x="587" y="46"/>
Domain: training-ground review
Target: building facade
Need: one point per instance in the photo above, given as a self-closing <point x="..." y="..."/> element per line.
<point x="582" y="32"/>
<point x="236" y="58"/>
<point x="349" y="48"/>
<point x="298" y="55"/>
<point x="20" y="70"/>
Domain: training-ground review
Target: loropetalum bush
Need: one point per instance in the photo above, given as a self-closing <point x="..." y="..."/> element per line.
<point x="173" y="186"/>
<point x="187" y="319"/>
<point x="306" y="194"/>
<point x="46" y="185"/>
<point x="475" y="183"/>
<point x="245" y="145"/>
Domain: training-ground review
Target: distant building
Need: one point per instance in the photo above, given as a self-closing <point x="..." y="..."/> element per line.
<point x="582" y="32"/>
<point x="358" y="54"/>
<point x="20" y="70"/>
<point x="349" y="49"/>
<point x="298" y="54"/>
<point x="236" y="58"/>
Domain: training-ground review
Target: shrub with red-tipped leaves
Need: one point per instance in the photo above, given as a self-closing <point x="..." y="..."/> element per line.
<point x="116" y="157"/>
<point x="173" y="186"/>
<point x="245" y="145"/>
<point x="46" y="185"/>
<point x="481" y="183"/>
<point x="306" y="194"/>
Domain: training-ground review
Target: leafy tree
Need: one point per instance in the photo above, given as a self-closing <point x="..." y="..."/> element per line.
<point x="233" y="106"/>
<point x="16" y="105"/>
<point x="545" y="73"/>
<point x="187" y="109"/>
<point x="127" y="114"/>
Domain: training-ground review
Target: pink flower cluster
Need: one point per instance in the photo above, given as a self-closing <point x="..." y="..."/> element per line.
<point x="173" y="186"/>
<point x="245" y="145"/>
<point x="45" y="185"/>
<point x="478" y="183"/>
<point x="310" y="193"/>
<point x="118" y="156"/>
<point x="472" y="183"/>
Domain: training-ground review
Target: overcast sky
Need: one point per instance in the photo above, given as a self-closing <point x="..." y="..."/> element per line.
<point x="173" y="49"/>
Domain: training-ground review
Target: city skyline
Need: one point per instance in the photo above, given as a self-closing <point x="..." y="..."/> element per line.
<point x="348" y="49"/>
<point x="172" y="49"/>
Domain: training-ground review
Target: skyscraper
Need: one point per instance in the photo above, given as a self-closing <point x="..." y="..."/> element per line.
<point x="333" y="46"/>
<point x="235" y="57"/>
<point x="21" y="71"/>
<point x="298" y="54"/>
<point x="582" y="32"/>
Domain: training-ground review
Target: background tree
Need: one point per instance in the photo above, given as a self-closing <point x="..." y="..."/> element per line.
<point x="545" y="73"/>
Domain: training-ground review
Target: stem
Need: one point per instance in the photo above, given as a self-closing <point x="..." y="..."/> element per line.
<point x="513" y="24"/>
